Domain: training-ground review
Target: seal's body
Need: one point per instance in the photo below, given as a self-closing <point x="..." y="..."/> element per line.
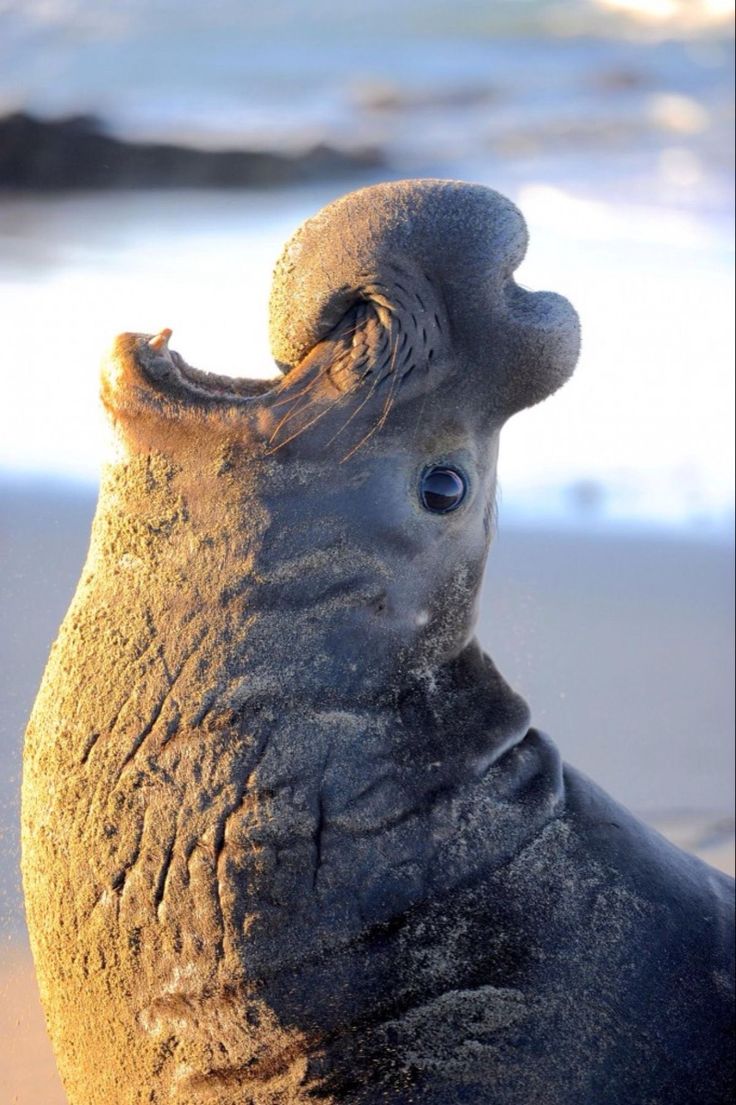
<point x="287" y="834"/>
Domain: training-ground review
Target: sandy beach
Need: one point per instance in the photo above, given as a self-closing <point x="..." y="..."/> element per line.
<point x="622" y="644"/>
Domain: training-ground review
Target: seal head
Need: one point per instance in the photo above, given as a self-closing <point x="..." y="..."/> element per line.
<point x="405" y="344"/>
<point x="422" y="273"/>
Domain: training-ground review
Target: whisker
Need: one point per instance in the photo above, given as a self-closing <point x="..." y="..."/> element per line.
<point x="420" y="416"/>
<point x="373" y="388"/>
<point x="381" y="421"/>
<point x="307" y="387"/>
<point x="362" y="441"/>
<point x="284" y="382"/>
<point x="357" y="410"/>
<point x="306" y="426"/>
<point x="390" y="397"/>
<point x="297" y="408"/>
<point x="395" y="382"/>
<point x="294" y="409"/>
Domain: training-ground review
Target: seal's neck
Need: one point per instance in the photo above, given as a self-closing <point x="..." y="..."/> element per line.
<point x="244" y="625"/>
<point x="463" y="707"/>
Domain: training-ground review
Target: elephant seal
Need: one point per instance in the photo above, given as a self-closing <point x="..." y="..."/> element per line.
<point x="287" y="834"/>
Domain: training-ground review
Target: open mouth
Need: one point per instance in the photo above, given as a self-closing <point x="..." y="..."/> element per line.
<point x="144" y="374"/>
<point x="168" y="369"/>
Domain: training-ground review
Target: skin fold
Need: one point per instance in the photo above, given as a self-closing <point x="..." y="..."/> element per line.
<point x="287" y="833"/>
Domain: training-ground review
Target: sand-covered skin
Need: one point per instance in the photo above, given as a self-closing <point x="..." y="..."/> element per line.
<point x="28" y="1074"/>
<point x="44" y="537"/>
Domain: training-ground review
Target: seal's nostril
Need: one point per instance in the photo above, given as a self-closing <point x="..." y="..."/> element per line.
<point x="379" y="605"/>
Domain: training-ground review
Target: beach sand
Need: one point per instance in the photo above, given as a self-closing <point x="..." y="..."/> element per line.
<point x="623" y="645"/>
<point x="27" y="1070"/>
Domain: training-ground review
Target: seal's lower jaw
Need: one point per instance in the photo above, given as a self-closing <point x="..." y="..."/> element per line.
<point x="142" y="370"/>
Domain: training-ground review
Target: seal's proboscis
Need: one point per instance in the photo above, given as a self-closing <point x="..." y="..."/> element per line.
<point x="288" y="836"/>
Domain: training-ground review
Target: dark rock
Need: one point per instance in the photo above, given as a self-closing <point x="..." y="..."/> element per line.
<point x="77" y="153"/>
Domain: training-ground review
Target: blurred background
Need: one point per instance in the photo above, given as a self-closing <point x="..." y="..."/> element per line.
<point x="154" y="155"/>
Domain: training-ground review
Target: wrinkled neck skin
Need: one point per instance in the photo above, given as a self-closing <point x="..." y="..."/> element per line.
<point x="338" y="590"/>
<point x="304" y="591"/>
<point x="313" y="621"/>
<point x="305" y="584"/>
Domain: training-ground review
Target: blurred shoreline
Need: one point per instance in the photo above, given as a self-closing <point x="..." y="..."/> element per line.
<point x="594" y="91"/>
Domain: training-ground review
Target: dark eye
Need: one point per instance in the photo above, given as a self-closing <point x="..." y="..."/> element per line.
<point x="442" y="489"/>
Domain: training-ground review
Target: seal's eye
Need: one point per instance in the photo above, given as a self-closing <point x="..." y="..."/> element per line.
<point x="442" y="489"/>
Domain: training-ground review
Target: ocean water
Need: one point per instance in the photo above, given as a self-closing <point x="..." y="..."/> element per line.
<point x="608" y="123"/>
